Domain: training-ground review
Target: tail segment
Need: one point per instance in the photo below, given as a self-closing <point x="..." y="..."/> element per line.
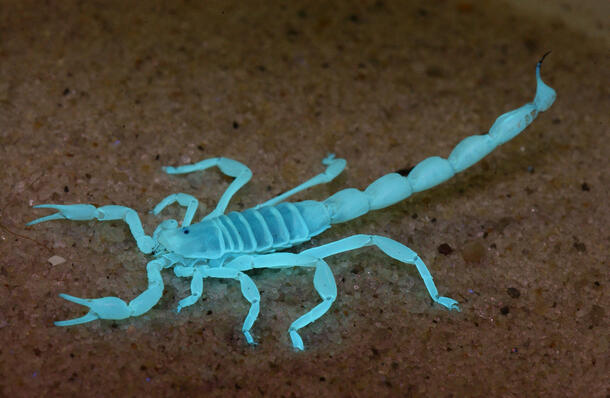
<point x="392" y="188"/>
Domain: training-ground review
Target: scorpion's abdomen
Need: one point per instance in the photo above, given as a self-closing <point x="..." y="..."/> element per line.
<point x="273" y="227"/>
<point x="315" y="215"/>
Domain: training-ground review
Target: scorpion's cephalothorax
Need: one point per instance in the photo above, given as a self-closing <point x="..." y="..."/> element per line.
<point x="226" y="246"/>
<point x="201" y="240"/>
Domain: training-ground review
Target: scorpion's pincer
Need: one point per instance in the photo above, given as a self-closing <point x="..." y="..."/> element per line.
<point x="100" y="308"/>
<point x="78" y="212"/>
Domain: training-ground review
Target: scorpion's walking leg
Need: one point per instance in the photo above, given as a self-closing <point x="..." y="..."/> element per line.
<point x="230" y="167"/>
<point x="196" y="285"/>
<point x="393" y="249"/>
<point x="82" y="212"/>
<point x="248" y="289"/>
<point x="334" y="167"/>
<point x="190" y="202"/>
<point x="323" y="281"/>
<point x="114" y="307"/>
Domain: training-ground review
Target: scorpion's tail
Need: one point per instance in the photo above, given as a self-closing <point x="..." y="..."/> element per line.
<point x="392" y="188"/>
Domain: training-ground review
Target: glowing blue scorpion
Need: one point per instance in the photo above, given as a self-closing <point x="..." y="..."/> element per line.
<point x="226" y="245"/>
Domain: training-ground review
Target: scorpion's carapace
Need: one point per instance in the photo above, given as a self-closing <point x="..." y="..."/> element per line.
<point x="225" y="246"/>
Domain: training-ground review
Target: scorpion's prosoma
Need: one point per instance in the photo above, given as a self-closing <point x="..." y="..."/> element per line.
<point x="227" y="245"/>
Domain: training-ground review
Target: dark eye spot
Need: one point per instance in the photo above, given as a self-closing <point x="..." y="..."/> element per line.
<point x="186" y="231"/>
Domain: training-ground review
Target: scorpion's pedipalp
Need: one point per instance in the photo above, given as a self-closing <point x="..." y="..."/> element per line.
<point x="100" y="308"/>
<point x="85" y="212"/>
<point x="78" y="212"/>
<point x="116" y="308"/>
<point x="90" y="316"/>
<point x="50" y="217"/>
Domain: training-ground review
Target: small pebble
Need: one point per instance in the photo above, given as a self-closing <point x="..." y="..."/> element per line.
<point x="445" y="249"/>
<point x="513" y="292"/>
<point x="579" y="246"/>
<point x="473" y="252"/>
<point x="56" y="260"/>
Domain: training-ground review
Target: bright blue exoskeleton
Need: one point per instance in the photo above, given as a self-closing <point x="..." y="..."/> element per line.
<point x="228" y="245"/>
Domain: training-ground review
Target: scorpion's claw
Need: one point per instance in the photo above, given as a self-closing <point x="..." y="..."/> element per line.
<point x="70" y="212"/>
<point x="77" y="321"/>
<point x="100" y="308"/>
<point x="450" y="303"/>
<point x="56" y="216"/>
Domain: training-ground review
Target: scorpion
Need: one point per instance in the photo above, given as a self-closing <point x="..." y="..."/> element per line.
<point x="228" y="245"/>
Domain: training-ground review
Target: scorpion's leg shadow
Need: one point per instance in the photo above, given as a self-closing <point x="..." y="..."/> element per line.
<point x="392" y="248"/>
<point x="323" y="281"/>
<point x="334" y="167"/>
<point x="230" y="167"/>
<point x="114" y="307"/>
<point x="83" y="212"/>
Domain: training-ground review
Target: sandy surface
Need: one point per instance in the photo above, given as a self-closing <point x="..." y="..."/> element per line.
<point x="95" y="98"/>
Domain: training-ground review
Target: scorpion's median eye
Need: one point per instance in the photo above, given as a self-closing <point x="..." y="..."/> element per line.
<point x="186" y="231"/>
